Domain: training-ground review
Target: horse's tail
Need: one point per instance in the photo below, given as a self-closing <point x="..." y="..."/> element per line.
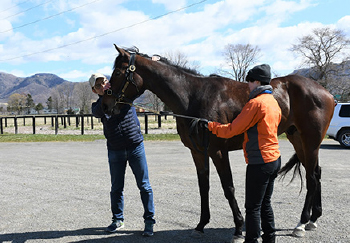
<point x="293" y="161"/>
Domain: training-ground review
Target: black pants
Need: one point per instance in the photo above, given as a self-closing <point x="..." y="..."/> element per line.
<point x="259" y="187"/>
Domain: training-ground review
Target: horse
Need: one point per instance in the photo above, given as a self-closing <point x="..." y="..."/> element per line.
<point x="306" y="106"/>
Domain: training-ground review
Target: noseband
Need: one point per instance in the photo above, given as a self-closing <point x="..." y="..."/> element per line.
<point x="129" y="78"/>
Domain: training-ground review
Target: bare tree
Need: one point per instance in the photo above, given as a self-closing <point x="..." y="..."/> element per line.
<point x="319" y="50"/>
<point x="338" y="84"/>
<point x="239" y="58"/>
<point x="340" y="88"/>
<point x="180" y="59"/>
<point x="63" y="97"/>
<point x="57" y="103"/>
<point x="84" y="95"/>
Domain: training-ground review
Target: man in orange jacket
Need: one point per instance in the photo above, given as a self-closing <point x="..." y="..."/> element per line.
<point x="258" y="121"/>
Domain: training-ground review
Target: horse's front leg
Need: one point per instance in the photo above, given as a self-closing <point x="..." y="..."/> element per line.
<point x="222" y="164"/>
<point x="203" y="182"/>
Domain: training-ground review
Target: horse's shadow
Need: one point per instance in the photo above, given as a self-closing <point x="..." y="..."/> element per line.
<point x="93" y="235"/>
<point x="212" y="235"/>
<point x="47" y="235"/>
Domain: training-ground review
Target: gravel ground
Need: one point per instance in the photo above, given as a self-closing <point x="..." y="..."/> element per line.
<point x="59" y="192"/>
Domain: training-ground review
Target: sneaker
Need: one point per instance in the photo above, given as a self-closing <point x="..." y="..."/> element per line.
<point x="115" y="226"/>
<point x="148" y="231"/>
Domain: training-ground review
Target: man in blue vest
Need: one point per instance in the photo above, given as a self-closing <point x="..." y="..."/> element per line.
<point x="124" y="144"/>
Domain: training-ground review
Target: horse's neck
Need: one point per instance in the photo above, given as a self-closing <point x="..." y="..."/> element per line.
<point x="169" y="84"/>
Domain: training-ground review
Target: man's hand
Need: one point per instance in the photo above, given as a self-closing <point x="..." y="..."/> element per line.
<point x="106" y="86"/>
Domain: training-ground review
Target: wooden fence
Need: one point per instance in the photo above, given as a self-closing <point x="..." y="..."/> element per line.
<point x="57" y="120"/>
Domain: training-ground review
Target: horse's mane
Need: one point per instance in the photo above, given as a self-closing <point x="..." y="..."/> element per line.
<point x="164" y="60"/>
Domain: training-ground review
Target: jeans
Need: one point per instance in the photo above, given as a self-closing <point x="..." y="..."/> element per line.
<point x="117" y="165"/>
<point x="259" y="187"/>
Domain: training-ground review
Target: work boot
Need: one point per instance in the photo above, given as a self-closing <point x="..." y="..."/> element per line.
<point x="148" y="231"/>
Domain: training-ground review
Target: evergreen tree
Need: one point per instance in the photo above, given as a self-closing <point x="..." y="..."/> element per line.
<point x="49" y="104"/>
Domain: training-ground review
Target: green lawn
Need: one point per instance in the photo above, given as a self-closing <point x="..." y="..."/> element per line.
<point x="75" y="138"/>
<point x="8" y="138"/>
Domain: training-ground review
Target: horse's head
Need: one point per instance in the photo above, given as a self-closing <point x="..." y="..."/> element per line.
<point x="126" y="84"/>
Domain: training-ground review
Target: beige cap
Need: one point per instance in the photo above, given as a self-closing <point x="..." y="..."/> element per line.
<point x="94" y="77"/>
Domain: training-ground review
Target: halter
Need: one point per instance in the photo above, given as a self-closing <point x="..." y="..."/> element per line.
<point x="129" y="78"/>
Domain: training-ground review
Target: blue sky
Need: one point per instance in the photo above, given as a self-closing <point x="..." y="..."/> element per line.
<point x="73" y="39"/>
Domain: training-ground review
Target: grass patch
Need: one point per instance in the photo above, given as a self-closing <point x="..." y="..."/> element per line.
<point x="282" y="136"/>
<point x="8" y="138"/>
<point x="161" y="137"/>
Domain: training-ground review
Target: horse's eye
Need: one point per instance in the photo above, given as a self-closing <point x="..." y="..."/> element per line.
<point x="117" y="72"/>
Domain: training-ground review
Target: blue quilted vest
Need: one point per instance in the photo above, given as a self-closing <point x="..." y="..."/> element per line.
<point x="122" y="131"/>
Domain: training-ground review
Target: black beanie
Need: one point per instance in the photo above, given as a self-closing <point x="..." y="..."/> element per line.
<point x="260" y="73"/>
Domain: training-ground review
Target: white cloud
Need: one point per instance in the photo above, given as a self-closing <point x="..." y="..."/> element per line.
<point x="344" y="24"/>
<point x="20" y="73"/>
<point x="281" y="8"/>
<point x="5" y="29"/>
<point x="74" y="75"/>
<point x="80" y="75"/>
<point x="200" y="32"/>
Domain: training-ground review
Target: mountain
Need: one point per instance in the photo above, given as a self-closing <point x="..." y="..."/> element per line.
<point x="338" y="70"/>
<point x="39" y="86"/>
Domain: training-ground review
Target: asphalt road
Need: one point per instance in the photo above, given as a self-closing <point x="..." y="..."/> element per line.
<point x="59" y="192"/>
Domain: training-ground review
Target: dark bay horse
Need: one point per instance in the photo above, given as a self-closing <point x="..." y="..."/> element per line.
<point x="307" y="109"/>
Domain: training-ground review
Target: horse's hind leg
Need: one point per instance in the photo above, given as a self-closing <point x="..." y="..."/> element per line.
<point x="317" y="203"/>
<point x="222" y="164"/>
<point x="307" y="151"/>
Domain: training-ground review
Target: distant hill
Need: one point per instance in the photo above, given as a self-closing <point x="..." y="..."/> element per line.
<point x="338" y="70"/>
<point x="39" y="86"/>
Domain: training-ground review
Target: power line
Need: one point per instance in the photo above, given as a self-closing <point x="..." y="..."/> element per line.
<point x="48" y="17"/>
<point x="14" y="6"/>
<point x="107" y="33"/>
<point x="36" y="6"/>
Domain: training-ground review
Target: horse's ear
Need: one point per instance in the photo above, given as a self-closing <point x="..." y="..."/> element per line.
<point x="121" y="51"/>
<point x="118" y="49"/>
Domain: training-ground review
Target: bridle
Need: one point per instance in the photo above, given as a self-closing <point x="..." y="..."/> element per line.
<point x="129" y="78"/>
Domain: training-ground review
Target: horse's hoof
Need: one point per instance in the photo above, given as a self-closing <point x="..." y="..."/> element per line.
<point x="311" y="226"/>
<point x="237" y="239"/>
<point x="299" y="232"/>
<point x="197" y="234"/>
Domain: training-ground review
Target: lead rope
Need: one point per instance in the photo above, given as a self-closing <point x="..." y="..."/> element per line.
<point x="194" y="128"/>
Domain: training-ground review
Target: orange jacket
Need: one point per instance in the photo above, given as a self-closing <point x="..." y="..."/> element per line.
<point x="258" y="121"/>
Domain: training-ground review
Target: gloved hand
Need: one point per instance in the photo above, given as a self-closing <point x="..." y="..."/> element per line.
<point x="203" y="123"/>
<point x="197" y="123"/>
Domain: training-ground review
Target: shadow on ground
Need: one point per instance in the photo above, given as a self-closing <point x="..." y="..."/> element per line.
<point x="99" y="235"/>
